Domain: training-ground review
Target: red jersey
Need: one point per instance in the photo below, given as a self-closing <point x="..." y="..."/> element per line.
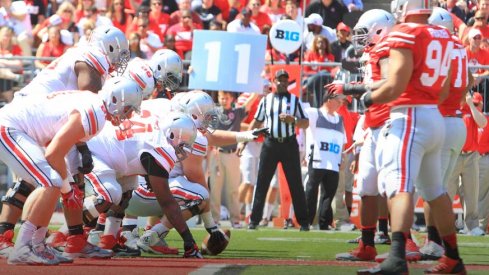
<point x="377" y="114"/>
<point x="261" y="19"/>
<point x="483" y="145"/>
<point x="183" y="37"/>
<point x="159" y="24"/>
<point x="350" y="120"/>
<point x="471" y="142"/>
<point x="480" y="57"/>
<point x="458" y="81"/>
<point x="431" y="47"/>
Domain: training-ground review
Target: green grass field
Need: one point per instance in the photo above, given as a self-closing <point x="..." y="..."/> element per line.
<point x="269" y="243"/>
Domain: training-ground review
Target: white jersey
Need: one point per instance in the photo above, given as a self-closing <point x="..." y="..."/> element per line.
<point x="60" y="74"/>
<point x="199" y="148"/>
<point x="122" y="152"/>
<point x="42" y="116"/>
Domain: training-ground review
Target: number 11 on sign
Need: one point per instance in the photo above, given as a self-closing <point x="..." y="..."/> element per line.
<point x="214" y="57"/>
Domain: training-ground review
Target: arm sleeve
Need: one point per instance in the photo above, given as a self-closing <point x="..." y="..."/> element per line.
<point x="151" y="166"/>
<point x="260" y="113"/>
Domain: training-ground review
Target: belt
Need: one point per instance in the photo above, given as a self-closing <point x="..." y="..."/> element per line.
<point x="456" y="115"/>
<point x="227" y="151"/>
<point x="467" y="152"/>
<point x="281" y="139"/>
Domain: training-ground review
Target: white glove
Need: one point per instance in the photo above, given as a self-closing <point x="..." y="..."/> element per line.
<point x="245" y="136"/>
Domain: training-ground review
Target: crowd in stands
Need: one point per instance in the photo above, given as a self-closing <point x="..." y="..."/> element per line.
<point x="47" y="28"/>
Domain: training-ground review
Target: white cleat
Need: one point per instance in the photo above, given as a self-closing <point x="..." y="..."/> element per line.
<point x="94" y="237"/>
<point x="476" y="231"/>
<point x="59" y="255"/>
<point x="431" y="251"/>
<point x="131" y="238"/>
<point x="32" y="255"/>
<point x="150" y="242"/>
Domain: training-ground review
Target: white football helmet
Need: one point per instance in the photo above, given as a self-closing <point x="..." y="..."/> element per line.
<point x="179" y="131"/>
<point x="200" y="107"/>
<point x="442" y="17"/>
<point x="403" y="8"/>
<point x="139" y="71"/>
<point x="121" y="96"/>
<point x="114" y="44"/>
<point x="371" y="27"/>
<point x="167" y="68"/>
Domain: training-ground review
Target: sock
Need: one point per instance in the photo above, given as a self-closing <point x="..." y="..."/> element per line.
<point x="6" y="226"/>
<point x="128" y="224"/>
<point x="348" y="208"/>
<point x="368" y="235"/>
<point x="383" y="226"/>
<point x="64" y="229"/>
<point x="161" y="229"/>
<point x="265" y="210"/>
<point x="39" y="235"/>
<point x="433" y="234"/>
<point x="26" y="232"/>
<point x="208" y="220"/>
<point x="450" y="244"/>
<point x="248" y="209"/>
<point x="112" y="226"/>
<point x="100" y="223"/>
<point x="398" y="246"/>
<point x="75" y="230"/>
<point x="269" y="212"/>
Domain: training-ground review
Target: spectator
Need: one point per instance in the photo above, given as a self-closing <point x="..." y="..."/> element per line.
<point x="330" y="10"/>
<point x="208" y="12"/>
<point x="52" y="47"/>
<point x="234" y="8"/>
<point x="158" y="20"/>
<point x="184" y="5"/>
<point x="292" y="10"/>
<point x="143" y="12"/>
<point x="223" y="5"/>
<point x="315" y="27"/>
<point x="484" y="7"/>
<point x="150" y="42"/>
<point x="244" y="23"/>
<point x="10" y="70"/>
<point x="88" y="27"/>
<point x="340" y="46"/>
<point x="81" y="8"/>
<point x="273" y="8"/>
<point x="319" y="52"/>
<point x="353" y="5"/>
<point x="259" y="18"/>
<point x="215" y="26"/>
<point x="325" y="143"/>
<point x="480" y="23"/>
<point x="168" y="6"/>
<point x="37" y="11"/>
<point x="183" y="33"/>
<point x="465" y="176"/>
<point x="63" y="19"/>
<point x="169" y="42"/>
<point x="135" y="46"/>
<point x="477" y="56"/>
<point x="450" y="5"/>
<point x="15" y="15"/>
<point x="119" y="15"/>
<point x="92" y="14"/>
<point x="224" y="162"/>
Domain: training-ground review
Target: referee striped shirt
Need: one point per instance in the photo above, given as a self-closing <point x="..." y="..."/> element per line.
<point x="272" y="106"/>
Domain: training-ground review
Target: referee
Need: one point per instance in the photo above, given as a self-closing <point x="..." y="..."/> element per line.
<point x="280" y="112"/>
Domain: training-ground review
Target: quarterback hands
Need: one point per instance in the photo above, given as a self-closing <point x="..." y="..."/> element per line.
<point x="73" y="199"/>
<point x="217" y="236"/>
<point x="251" y="135"/>
<point x="87" y="161"/>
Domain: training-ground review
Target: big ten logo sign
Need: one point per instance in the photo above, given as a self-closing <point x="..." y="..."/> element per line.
<point x="329" y="146"/>
<point x="287" y="35"/>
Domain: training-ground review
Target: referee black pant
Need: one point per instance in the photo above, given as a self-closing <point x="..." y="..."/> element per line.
<point x="328" y="180"/>
<point x="271" y="154"/>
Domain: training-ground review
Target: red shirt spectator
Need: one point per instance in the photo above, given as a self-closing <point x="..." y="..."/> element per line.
<point x="320" y="52"/>
<point x="274" y="9"/>
<point x="119" y="16"/>
<point x="83" y="5"/>
<point x="158" y="20"/>
<point x="471" y="142"/>
<point x="259" y="18"/>
<point x="483" y="145"/>
<point x="184" y="5"/>
<point x="475" y="54"/>
<point x="183" y="33"/>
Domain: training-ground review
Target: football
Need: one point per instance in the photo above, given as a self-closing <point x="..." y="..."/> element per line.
<point x="213" y="247"/>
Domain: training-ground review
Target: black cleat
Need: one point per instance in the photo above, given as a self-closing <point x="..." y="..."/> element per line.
<point x="252" y="226"/>
<point x="391" y="266"/>
<point x="125" y="251"/>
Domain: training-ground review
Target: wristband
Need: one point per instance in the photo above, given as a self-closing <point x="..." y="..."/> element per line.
<point x="367" y="99"/>
<point x="354" y="89"/>
<point x="65" y="186"/>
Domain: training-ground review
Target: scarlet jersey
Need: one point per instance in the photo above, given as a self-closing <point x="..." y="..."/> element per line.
<point x="472" y="139"/>
<point x="60" y="74"/>
<point x="42" y="116"/>
<point x="481" y="57"/>
<point x="350" y="120"/>
<point x="431" y="47"/>
<point x="377" y="114"/>
<point x="483" y="146"/>
<point x="458" y="81"/>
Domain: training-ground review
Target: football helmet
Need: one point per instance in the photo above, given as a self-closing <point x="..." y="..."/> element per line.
<point x="121" y="96"/>
<point x="167" y="68"/>
<point x="179" y="130"/>
<point x="371" y="27"/>
<point x="139" y="71"/>
<point x="200" y="107"/>
<point x="403" y="8"/>
<point x="114" y="44"/>
<point x="442" y="17"/>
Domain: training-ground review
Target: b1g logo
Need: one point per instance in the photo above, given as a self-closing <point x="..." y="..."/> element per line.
<point x="331" y="147"/>
<point x="287" y="35"/>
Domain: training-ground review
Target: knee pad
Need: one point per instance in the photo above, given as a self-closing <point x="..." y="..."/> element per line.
<point x="193" y="207"/>
<point x="21" y="188"/>
<point x="126" y="197"/>
<point x="92" y="207"/>
<point x="118" y="211"/>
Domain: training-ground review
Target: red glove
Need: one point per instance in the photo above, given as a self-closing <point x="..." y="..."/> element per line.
<point x="335" y="88"/>
<point x="73" y="199"/>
